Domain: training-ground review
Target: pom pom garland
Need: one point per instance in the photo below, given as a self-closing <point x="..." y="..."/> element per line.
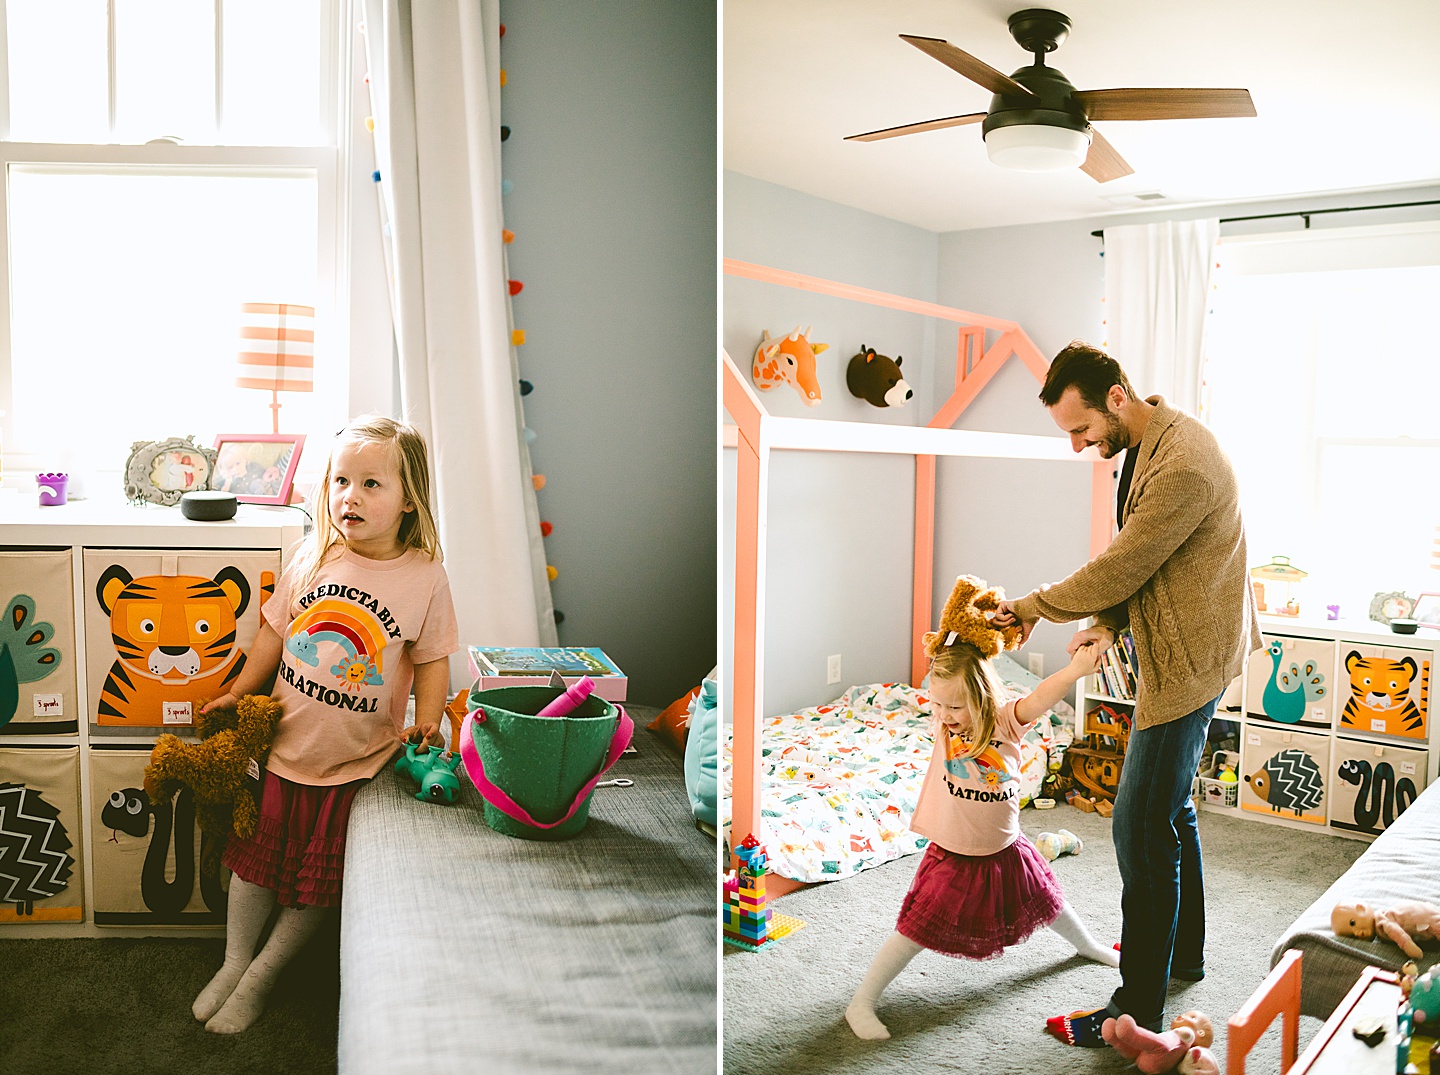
<point x="538" y="480"/>
<point x="545" y="528"/>
<point x="506" y="235"/>
<point x="526" y="387"/>
<point x="516" y="287"/>
<point x="551" y="573"/>
<point x="517" y="337"/>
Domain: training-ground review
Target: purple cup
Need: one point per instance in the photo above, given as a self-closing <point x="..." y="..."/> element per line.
<point x="52" y="488"/>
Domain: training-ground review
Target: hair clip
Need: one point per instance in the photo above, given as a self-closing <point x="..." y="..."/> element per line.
<point x="950" y="639"/>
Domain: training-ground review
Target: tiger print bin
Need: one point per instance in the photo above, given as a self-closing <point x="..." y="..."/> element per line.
<point x="1384" y="690"/>
<point x="165" y="632"/>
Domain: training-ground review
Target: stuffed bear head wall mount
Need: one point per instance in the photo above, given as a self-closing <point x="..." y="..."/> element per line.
<point x="877" y="379"/>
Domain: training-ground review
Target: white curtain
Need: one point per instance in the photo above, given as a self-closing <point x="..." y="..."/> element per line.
<point x="434" y="73"/>
<point x="1157" y="289"/>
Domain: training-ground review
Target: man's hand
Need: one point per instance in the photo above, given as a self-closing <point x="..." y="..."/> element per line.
<point x="1005" y="616"/>
<point x="1102" y="637"/>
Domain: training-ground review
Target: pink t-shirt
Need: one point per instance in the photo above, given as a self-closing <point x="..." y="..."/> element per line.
<point x="971" y="806"/>
<point x="351" y="644"/>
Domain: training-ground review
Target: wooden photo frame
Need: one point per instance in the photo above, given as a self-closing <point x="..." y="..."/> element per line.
<point x="162" y="471"/>
<point x="1427" y="611"/>
<point x="259" y="468"/>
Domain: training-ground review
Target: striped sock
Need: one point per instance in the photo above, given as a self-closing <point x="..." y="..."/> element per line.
<point x="1079" y="1028"/>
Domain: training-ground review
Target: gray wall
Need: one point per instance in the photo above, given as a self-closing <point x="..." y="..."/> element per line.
<point x="839" y="553"/>
<point x="612" y="160"/>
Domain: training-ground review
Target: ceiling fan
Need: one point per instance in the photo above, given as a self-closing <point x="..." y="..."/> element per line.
<point x="1038" y="121"/>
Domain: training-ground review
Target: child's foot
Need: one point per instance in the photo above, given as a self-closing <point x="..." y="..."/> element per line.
<point x="1079" y="1028"/>
<point x="863" y="1022"/>
<point x="239" y="1011"/>
<point x="217" y="992"/>
<point x="1099" y="953"/>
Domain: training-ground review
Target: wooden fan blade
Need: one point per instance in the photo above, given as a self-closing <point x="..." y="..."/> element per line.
<point x="916" y="128"/>
<point x="975" y="70"/>
<point x="1165" y="104"/>
<point x="1102" y="163"/>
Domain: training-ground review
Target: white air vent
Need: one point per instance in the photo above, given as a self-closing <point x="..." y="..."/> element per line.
<point x="1142" y="197"/>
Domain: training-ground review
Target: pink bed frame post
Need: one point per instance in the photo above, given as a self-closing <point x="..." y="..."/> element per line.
<point x="975" y="366"/>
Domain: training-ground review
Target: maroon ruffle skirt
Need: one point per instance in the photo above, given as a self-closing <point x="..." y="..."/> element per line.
<point x="298" y="848"/>
<point x="976" y="906"/>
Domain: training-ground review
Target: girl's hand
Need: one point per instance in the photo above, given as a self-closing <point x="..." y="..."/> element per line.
<point x="225" y="701"/>
<point x="1085" y="660"/>
<point x="426" y="734"/>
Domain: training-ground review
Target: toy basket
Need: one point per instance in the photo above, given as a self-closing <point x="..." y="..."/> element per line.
<point x="536" y="774"/>
<point x="1212" y="789"/>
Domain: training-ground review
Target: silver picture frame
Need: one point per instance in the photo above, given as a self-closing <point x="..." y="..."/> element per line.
<point x="162" y="471"/>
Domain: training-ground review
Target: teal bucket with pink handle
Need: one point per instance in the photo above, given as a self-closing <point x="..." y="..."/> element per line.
<point x="536" y="774"/>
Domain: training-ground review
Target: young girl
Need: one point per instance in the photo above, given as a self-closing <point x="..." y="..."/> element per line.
<point x="362" y="611"/>
<point x="981" y="885"/>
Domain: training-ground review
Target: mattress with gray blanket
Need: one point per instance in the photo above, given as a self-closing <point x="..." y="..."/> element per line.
<point x="462" y="949"/>
<point x="1402" y="864"/>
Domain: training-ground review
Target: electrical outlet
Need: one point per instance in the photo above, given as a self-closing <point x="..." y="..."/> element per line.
<point x="832" y="668"/>
<point x="1037" y="665"/>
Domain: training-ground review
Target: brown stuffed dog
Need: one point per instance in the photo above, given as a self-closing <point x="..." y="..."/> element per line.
<point x="215" y="769"/>
<point x="964" y="618"/>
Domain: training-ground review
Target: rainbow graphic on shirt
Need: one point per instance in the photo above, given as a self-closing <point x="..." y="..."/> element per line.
<point x="989" y="765"/>
<point x="359" y="635"/>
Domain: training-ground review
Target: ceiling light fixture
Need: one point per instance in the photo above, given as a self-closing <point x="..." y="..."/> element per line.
<point x="1035" y="147"/>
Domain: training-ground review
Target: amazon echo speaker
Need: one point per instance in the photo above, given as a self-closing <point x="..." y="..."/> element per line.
<point x="208" y="506"/>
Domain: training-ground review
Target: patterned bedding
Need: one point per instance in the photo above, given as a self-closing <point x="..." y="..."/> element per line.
<point x="839" y="781"/>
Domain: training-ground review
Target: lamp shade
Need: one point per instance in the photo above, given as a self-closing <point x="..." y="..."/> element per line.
<point x="1036" y="147"/>
<point x="277" y="347"/>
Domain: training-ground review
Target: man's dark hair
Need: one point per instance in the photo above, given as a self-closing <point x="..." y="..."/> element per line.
<point x="1090" y="370"/>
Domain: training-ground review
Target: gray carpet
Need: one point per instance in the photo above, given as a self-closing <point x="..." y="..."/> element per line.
<point x="783" y="1007"/>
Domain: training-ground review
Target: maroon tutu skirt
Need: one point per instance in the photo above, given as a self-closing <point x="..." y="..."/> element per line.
<point x="298" y="848"/>
<point x="976" y="906"/>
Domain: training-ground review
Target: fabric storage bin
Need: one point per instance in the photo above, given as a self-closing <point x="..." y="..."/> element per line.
<point x="1384" y="690"/>
<point x="1284" y="773"/>
<point x="166" y="632"/>
<point x="37" y="627"/>
<point x="41" y="878"/>
<point x="150" y="865"/>
<point x="1290" y="681"/>
<point x="1372" y="783"/>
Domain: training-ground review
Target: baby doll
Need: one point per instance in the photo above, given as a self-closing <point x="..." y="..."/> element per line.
<point x="1155" y="1053"/>
<point x="1399" y="922"/>
<point x="1199" y="1061"/>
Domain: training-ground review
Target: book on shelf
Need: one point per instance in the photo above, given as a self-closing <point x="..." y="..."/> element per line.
<point x="522" y="666"/>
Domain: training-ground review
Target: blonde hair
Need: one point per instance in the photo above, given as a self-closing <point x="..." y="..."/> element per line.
<point x="963" y="663"/>
<point x="417" y="528"/>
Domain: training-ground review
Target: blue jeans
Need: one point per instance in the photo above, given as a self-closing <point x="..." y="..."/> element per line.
<point x="1157" y="847"/>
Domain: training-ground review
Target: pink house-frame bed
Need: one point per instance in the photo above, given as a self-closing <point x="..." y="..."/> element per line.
<point x="756" y="434"/>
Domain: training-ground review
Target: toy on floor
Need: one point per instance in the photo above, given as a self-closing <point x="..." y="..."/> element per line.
<point x="748" y="921"/>
<point x="222" y="771"/>
<point x="789" y="360"/>
<point x="1402" y="922"/>
<point x="1424" y="1001"/>
<point x="1153" y="1053"/>
<point x="877" y="379"/>
<point x="1054" y="844"/>
<point x="1200" y="1023"/>
<point x="433" y="770"/>
<point x="1199" y="1061"/>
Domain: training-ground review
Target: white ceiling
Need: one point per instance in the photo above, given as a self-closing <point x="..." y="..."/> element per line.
<point x="1348" y="96"/>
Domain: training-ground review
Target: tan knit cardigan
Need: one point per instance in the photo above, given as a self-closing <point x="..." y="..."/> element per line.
<point x="1175" y="572"/>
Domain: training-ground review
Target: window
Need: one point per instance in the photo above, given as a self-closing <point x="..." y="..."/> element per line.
<point x="1324" y="388"/>
<point x="165" y="161"/>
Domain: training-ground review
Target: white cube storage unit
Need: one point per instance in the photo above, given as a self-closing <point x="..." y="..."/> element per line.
<point x="1291" y="681"/>
<point x="116" y="621"/>
<point x="1372" y="783"/>
<point x="1353" y="699"/>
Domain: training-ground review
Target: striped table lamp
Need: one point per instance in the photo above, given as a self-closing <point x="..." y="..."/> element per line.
<point x="277" y="350"/>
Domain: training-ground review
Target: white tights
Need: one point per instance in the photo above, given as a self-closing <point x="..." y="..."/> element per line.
<point x="236" y="995"/>
<point x="897" y="952"/>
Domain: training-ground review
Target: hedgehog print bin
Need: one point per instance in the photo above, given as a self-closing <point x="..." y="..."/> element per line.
<point x="1284" y="774"/>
